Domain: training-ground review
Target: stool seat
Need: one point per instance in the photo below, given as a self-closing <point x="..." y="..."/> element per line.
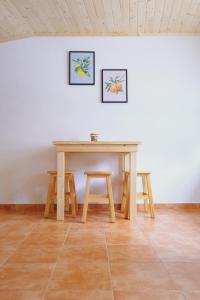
<point x="98" y="198"/>
<point x="97" y="174"/>
<point x="54" y="173"/>
<point x="143" y="173"/>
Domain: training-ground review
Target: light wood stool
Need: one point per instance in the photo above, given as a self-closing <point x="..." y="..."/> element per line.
<point x="69" y="195"/>
<point x="95" y="198"/>
<point x="146" y="193"/>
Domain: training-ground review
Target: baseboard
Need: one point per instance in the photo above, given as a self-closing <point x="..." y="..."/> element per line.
<point x="177" y="205"/>
<point x="40" y="207"/>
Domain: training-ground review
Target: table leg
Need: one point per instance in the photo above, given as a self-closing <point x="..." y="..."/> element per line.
<point x="67" y="183"/>
<point x="60" y="185"/>
<point x="133" y="192"/>
<point x="125" y="168"/>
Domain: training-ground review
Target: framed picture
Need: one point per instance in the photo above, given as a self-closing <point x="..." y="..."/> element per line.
<point x="82" y="67"/>
<point x="114" y="86"/>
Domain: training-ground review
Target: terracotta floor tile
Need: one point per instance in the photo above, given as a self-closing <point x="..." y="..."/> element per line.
<point x="132" y="253"/>
<point x="79" y="295"/>
<point x="11" y="240"/>
<point x="193" y="295"/>
<point x="35" y="254"/>
<point x="135" y="276"/>
<point x="25" y="276"/>
<point x="16" y="227"/>
<point x="5" y="253"/>
<point x="81" y="276"/>
<point x="186" y="275"/>
<point x="21" y="295"/>
<point x="86" y="237"/>
<point x="43" y="239"/>
<point x="83" y="254"/>
<point x="123" y="238"/>
<point x="48" y="228"/>
<point x="178" y="252"/>
<point x="100" y="226"/>
<point x="149" y="295"/>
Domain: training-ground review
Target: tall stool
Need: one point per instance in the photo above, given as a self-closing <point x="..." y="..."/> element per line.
<point x="146" y="193"/>
<point x="95" y="198"/>
<point x="69" y="195"/>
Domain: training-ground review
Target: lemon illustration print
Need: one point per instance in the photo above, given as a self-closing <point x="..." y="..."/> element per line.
<point x="79" y="71"/>
<point x="81" y="66"/>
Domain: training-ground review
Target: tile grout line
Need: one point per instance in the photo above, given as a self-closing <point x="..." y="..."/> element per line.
<point x="109" y="267"/>
<point x="175" y="288"/>
<point x="55" y="265"/>
<point x="25" y="237"/>
<point x="163" y="264"/>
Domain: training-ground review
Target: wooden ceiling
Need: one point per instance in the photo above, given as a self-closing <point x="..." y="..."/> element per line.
<point x="26" y="18"/>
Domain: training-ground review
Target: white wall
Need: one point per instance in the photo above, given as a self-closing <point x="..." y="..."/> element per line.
<point x="38" y="106"/>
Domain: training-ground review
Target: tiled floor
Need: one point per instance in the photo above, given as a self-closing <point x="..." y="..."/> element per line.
<point x="153" y="259"/>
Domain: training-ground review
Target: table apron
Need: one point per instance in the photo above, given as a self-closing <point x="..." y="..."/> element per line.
<point x="97" y="148"/>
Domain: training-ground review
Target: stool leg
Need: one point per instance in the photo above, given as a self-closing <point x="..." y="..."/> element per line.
<point x="74" y="188"/>
<point x="66" y="197"/>
<point x="145" y="190"/>
<point x="150" y="197"/>
<point x="123" y="204"/>
<point x="53" y="194"/>
<point x="127" y="197"/>
<point x="85" y="206"/>
<point x="72" y="196"/>
<point x="49" y="196"/>
<point x="110" y="195"/>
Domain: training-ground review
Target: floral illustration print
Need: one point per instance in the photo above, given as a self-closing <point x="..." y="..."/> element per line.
<point x="114" y="85"/>
<point x="82" y="66"/>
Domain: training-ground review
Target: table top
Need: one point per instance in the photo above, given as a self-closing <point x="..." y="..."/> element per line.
<point x="100" y="146"/>
<point x="56" y="143"/>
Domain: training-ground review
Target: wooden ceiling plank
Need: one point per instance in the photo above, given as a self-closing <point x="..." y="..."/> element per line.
<point x="177" y="27"/>
<point x="196" y="19"/>
<point x="53" y="15"/>
<point x="29" y="10"/>
<point x="80" y="14"/>
<point x="3" y="32"/>
<point x="94" y="16"/>
<point x="65" y="15"/>
<point x="142" y="10"/>
<point x="125" y="15"/>
<point x="167" y="10"/>
<point x="173" y="25"/>
<point x="108" y="13"/>
<point x="188" y="18"/>
<point x="116" y="13"/>
<point x="159" y="11"/>
<point x="46" y="13"/>
<point x="149" y="21"/>
<point x="197" y="28"/>
<point x="75" y="22"/>
<point x="99" y="10"/>
<point x="10" y="17"/>
<point x="133" y="16"/>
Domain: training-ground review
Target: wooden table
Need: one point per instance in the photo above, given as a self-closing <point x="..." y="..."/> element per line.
<point x="127" y="148"/>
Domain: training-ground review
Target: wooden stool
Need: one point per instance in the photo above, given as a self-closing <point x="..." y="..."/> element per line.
<point x="146" y="193"/>
<point x="69" y="195"/>
<point x="95" y="198"/>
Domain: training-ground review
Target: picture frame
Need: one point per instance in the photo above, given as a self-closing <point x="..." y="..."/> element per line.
<point x="81" y="67"/>
<point x="114" y="86"/>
